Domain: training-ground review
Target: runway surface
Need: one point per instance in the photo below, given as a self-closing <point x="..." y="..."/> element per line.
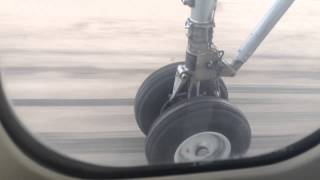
<point x="72" y="68"/>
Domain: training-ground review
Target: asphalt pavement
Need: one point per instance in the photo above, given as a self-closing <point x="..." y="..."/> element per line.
<point x="72" y="68"/>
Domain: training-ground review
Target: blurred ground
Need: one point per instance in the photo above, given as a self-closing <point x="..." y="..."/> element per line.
<point x="72" y="69"/>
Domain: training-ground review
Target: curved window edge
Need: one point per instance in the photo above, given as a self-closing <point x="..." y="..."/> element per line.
<point x="75" y="168"/>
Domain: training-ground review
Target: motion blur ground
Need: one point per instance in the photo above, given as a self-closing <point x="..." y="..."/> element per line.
<point x="72" y="69"/>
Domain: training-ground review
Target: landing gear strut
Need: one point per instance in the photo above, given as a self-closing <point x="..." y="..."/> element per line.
<point x="183" y="108"/>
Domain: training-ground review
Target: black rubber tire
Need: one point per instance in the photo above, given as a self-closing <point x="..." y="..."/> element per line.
<point x="154" y="93"/>
<point x="197" y="115"/>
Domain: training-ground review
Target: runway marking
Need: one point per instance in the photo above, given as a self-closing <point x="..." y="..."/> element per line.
<point x="92" y="71"/>
<point x="81" y="52"/>
<point x="29" y="102"/>
<point x="94" y="142"/>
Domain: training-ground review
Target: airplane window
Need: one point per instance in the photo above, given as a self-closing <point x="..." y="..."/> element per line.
<point x="105" y="82"/>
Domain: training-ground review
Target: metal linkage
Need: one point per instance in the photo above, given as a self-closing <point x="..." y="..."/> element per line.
<point x="200" y="26"/>
<point x="203" y="60"/>
<point x="181" y="78"/>
<point x="278" y="9"/>
<point x="202" y="56"/>
<point x="201" y="51"/>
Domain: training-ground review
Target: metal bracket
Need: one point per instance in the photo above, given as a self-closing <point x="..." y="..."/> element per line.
<point x="226" y="68"/>
<point x="181" y="78"/>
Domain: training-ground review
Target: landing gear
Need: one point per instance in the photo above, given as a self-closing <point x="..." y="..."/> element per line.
<point x="183" y="108"/>
<point x="205" y="127"/>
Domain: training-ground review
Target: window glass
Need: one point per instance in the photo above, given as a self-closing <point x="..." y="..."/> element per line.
<point x="72" y="69"/>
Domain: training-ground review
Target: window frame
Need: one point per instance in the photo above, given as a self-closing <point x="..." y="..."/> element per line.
<point x="60" y="163"/>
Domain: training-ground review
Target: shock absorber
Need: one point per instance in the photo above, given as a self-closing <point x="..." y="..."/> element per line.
<point x="201" y="55"/>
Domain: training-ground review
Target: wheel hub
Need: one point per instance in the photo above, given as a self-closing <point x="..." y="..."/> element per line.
<point x="205" y="146"/>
